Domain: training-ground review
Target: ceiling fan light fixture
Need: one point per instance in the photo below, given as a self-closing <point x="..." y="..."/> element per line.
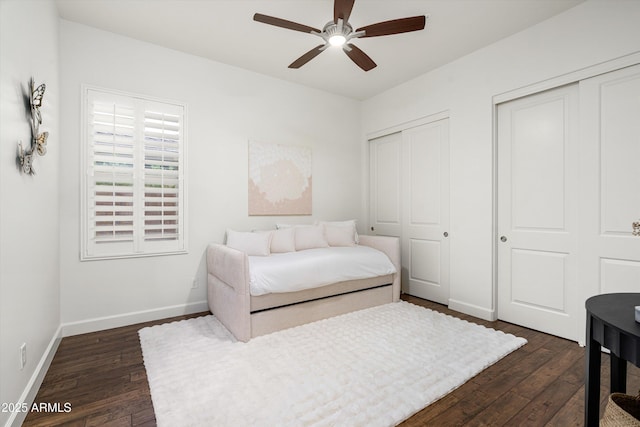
<point x="336" y="34"/>
<point x="337" y="40"/>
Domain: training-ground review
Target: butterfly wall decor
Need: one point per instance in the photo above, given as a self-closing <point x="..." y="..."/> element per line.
<point x="36" y="100"/>
<point x="38" y="139"/>
<point x="25" y="157"/>
<point x="41" y="143"/>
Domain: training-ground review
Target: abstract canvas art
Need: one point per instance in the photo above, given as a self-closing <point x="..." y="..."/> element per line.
<point x="279" y="179"/>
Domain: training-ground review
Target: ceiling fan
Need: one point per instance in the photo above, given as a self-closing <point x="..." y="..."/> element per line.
<point x="339" y="32"/>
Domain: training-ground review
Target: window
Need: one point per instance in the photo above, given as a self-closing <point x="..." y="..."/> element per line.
<point x="133" y="176"/>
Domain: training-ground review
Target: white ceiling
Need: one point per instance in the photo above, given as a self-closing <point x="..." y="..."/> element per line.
<point x="224" y="31"/>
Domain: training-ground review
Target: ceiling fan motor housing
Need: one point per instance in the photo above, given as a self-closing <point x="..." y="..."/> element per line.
<point x="340" y="29"/>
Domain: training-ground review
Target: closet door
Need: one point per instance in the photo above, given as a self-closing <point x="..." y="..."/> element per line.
<point x="425" y="211"/>
<point x="409" y="185"/>
<point x="537" y="206"/>
<point x="610" y="144"/>
<point x="384" y="184"/>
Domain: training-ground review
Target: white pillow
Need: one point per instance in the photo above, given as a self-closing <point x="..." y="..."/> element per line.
<point x="257" y="244"/>
<point x="310" y="237"/>
<point x="349" y="223"/>
<point x="283" y="240"/>
<point x="339" y="235"/>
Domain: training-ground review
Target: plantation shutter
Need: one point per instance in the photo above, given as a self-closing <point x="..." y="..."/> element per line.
<point x="162" y="175"/>
<point x="134" y="176"/>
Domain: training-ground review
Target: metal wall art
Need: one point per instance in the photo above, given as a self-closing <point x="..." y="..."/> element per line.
<point x="38" y="140"/>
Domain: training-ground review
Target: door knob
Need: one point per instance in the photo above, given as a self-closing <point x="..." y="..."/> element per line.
<point x="445" y="234"/>
<point x="636" y="228"/>
<point x="373" y="229"/>
<point x="503" y="239"/>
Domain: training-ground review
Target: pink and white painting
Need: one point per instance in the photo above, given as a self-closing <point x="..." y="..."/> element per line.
<point x="279" y="179"/>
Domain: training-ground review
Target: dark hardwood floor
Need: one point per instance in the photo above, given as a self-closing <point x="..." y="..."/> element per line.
<point x="102" y="376"/>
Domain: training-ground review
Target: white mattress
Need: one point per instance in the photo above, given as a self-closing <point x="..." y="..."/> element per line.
<point x="311" y="268"/>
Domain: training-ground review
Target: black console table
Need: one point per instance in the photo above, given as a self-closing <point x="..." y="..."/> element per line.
<point x="611" y="324"/>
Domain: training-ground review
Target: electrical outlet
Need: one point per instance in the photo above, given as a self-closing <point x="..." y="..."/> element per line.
<point x="195" y="283"/>
<point x="23" y="355"/>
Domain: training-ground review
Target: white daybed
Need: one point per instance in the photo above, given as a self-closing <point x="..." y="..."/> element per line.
<point x="246" y="316"/>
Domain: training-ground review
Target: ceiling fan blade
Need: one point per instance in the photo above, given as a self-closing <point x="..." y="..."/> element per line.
<point x="395" y="26"/>
<point x="283" y="23"/>
<point x="307" y="57"/>
<point x="342" y="10"/>
<point x="361" y="59"/>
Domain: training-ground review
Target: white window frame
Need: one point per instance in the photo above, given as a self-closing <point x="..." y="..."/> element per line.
<point x="136" y="245"/>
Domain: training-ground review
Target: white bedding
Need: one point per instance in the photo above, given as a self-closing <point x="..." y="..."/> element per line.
<point x="311" y="268"/>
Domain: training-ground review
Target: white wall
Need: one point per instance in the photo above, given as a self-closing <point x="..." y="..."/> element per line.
<point x="29" y="239"/>
<point x="227" y="107"/>
<point x="586" y="35"/>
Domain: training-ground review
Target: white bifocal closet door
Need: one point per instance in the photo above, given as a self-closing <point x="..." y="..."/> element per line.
<point x="610" y="156"/>
<point x="409" y="184"/>
<point x="425" y="211"/>
<point x="537" y="203"/>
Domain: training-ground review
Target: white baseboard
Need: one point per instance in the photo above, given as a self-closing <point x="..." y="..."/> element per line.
<point x="116" y="321"/>
<point x="31" y="390"/>
<point x="472" y="310"/>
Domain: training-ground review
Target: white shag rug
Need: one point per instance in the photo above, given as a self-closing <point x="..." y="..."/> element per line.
<point x="374" y="367"/>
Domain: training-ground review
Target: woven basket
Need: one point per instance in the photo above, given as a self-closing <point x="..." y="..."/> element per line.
<point x="622" y="411"/>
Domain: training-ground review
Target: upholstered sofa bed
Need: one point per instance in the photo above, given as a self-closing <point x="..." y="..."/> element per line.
<point x="248" y="311"/>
